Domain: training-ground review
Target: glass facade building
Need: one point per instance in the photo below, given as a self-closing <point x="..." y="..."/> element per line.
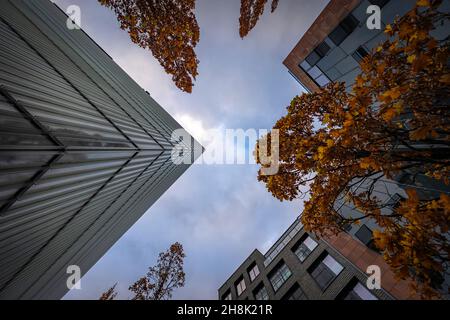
<point x="330" y="51"/>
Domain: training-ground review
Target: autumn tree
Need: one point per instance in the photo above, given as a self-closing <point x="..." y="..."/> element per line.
<point x="109" y="294"/>
<point x="163" y="278"/>
<point x="396" y="119"/>
<point x="160" y="280"/>
<point x="169" y="29"/>
<point x="251" y="11"/>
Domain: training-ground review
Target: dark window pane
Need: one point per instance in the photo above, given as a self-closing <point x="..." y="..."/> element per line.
<point x="322" y="49"/>
<point x="364" y="234"/>
<point x="295" y="293"/>
<point x="356" y="291"/>
<point x="227" y="295"/>
<point x="380" y="3"/>
<point x="313" y="58"/>
<point x="343" y="29"/>
<point x="324" y="270"/>
<point x="359" y="54"/>
<point x="261" y="293"/>
<point x="338" y="35"/>
<point x="349" y="23"/>
<point x="279" y="275"/>
<point x="323" y="276"/>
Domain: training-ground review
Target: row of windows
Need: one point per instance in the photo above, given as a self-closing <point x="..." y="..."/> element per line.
<point x="253" y="272"/>
<point x="354" y="290"/>
<point x="337" y="36"/>
<point x="324" y="271"/>
<point x="294" y="230"/>
<point x="279" y="274"/>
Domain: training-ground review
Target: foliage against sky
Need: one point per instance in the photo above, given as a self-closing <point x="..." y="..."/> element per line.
<point x="163" y="278"/>
<point x="160" y="280"/>
<point x="169" y="29"/>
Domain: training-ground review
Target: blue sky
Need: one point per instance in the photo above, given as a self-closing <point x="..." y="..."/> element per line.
<point x="220" y="213"/>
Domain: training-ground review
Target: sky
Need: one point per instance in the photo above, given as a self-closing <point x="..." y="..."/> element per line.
<point x="220" y="213"/>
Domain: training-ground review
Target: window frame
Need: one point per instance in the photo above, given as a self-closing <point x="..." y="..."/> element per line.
<point x="260" y="288"/>
<point x="377" y="3"/>
<point x="279" y="271"/>
<point x="301" y="244"/>
<point x="293" y="290"/>
<point x="357" y="54"/>
<point x="240" y="286"/>
<point x="251" y="273"/>
<point x="349" y="291"/>
<point x="324" y="269"/>
<point x="346" y="26"/>
<point x="227" y="295"/>
<point x="319" y="52"/>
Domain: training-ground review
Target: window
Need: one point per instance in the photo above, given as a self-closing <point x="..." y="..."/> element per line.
<point x="365" y="235"/>
<point x="322" y="49"/>
<point x="380" y="3"/>
<point x="282" y="242"/>
<point x="313" y="58"/>
<point x="315" y="73"/>
<point x="295" y="293"/>
<point x="360" y="54"/>
<point x="341" y="32"/>
<point x="324" y="270"/>
<point x="356" y="291"/>
<point x="394" y="201"/>
<point x="322" y="80"/>
<point x="318" y="53"/>
<point x="304" y="247"/>
<point x="279" y="275"/>
<point x="240" y="286"/>
<point x="253" y="271"/>
<point x="261" y="293"/>
<point x="227" y="295"/>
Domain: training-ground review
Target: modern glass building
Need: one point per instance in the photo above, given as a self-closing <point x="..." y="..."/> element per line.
<point x="84" y="151"/>
<point x="331" y="49"/>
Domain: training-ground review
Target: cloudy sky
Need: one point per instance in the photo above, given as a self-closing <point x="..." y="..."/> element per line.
<point x="220" y="213"/>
